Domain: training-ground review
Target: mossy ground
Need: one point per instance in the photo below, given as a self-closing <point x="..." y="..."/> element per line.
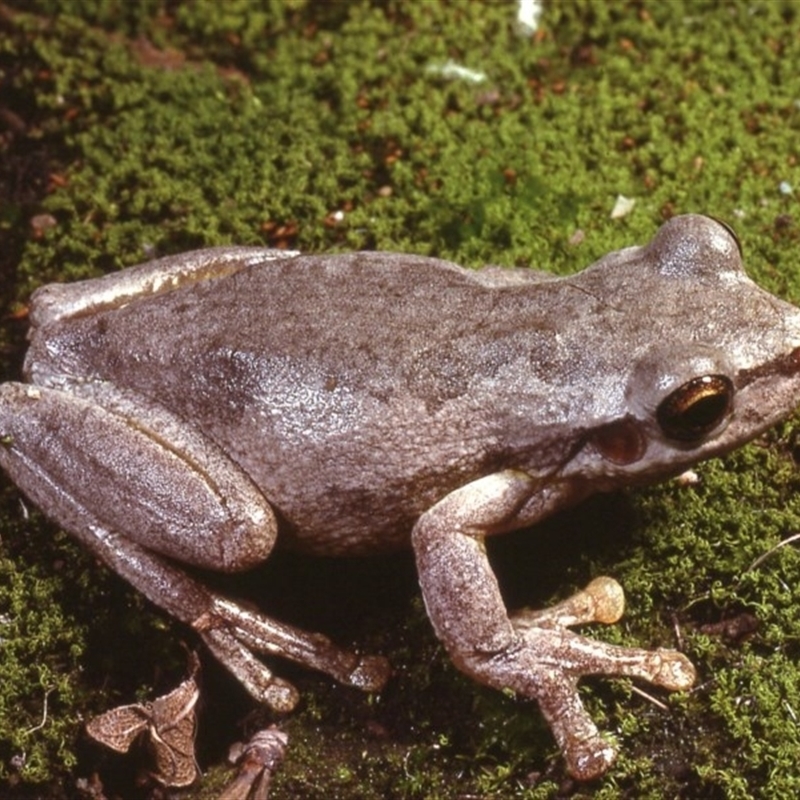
<point x="134" y="129"/>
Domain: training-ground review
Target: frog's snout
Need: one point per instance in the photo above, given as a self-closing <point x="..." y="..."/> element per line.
<point x="788" y="365"/>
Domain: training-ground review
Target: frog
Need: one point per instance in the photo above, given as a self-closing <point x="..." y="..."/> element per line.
<point x="195" y="412"/>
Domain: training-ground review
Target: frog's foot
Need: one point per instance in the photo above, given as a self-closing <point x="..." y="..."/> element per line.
<point x="234" y="633"/>
<point x="547" y="661"/>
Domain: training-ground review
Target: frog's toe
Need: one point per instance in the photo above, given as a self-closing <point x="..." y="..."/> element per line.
<point x="547" y="663"/>
<point x="666" y="668"/>
<point x="606" y="601"/>
<point x="589" y="760"/>
<point x="371" y="674"/>
<point x="587" y="754"/>
<point x="254" y="675"/>
<point x="675" y="672"/>
<point x="234" y="633"/>
<point x="602" y="600"/>
<point x="280" y="695"/>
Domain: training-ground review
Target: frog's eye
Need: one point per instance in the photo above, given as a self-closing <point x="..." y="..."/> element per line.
<point x="695" y="409"/>
<point x="731" y="233"/>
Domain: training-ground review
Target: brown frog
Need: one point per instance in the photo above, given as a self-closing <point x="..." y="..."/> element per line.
<point x="200" y="408"/>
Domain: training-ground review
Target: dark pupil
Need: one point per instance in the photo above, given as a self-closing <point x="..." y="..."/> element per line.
<point x="704" y="413"/>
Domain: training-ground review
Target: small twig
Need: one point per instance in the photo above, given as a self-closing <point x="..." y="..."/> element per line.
<point x="764" y="556"/>
<point x="653" y="700"/>
<point x="44" y="715"/>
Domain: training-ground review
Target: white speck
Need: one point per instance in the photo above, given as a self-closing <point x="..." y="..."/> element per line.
<point x="338" y="216"/>
<point x="528" y="13"/>
<point x="786" y="188"/>
<point x="622" y="206"/>
<point x="688" y="478"/>
<point x="452" y="71"/>
<point x="577" y="237"/>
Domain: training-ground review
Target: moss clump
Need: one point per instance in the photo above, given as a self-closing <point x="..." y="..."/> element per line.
<point x="42" y="647"/>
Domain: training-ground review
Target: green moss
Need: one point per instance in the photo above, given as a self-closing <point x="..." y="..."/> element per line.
<point x="152" y="127"/>
<point x="41" y="651"/>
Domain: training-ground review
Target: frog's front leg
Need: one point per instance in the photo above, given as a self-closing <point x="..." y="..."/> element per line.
<point x="134" y="483"/>
<point x="532" y="654"/>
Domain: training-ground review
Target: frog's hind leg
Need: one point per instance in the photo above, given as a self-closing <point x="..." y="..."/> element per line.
<point x="135" y="484"/>
<point x="233" y="633"/>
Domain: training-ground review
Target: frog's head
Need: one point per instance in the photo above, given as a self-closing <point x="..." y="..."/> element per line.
<point x="712" y="359"/>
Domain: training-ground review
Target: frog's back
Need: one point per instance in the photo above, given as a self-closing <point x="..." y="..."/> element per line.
<point x="348" y="387"/>
<point x="381" y="325"/>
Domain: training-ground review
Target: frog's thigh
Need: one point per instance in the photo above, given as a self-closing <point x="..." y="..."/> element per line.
<point x="136" y="469"/>
<point x="107" y="477"/>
